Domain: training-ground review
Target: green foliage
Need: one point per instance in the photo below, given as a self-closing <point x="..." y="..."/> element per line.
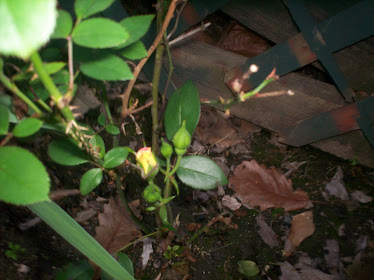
<point x="86" y="8"/>
<point x="136" y="26"/>
<point x="99" y="33"/>
<point x="115" y="157"/>
<point x="112" y="129"/>
<point x="200" y="173"/>
<point x="27" y="127"/>
<point x="23" y="178"/>
<point x="98" y="143"/>
<point x="248" y="268"/>
<point x="126" y="263"/>
<point x="90" y="180"/>
<point x="134" y="51"/>
<point x="107" y="68"/>
<point x="14" y="251"/>
<point x="53" y="67"/>
<point x="66" y="152"/>
<point x="26" y="25"/>
<point x="101" y="120"/>
<point x="4" y="120"/>
<point x="70" y="230"/>
<point x="80" y="270"/>
<point x="184" y="104"/>
<point x="64" y="25"/>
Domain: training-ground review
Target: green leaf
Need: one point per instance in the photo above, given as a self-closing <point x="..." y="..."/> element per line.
<point x="90" y="180"/>
<point x="98" y="143"/>
<point x="115" y="157"/>
<point x="184" y="104"/>
<point x="26" y="25"/>
<point x="80" y="270"/>
<point x="107" y="68"/>
<point x="64" y="24"/>
<point x="51" y="54"/>
<point x="66" y="152"/>
<point x="99" y="33"/>
<point x="200" y="173"/>
<point x="53" y="67"/>
<point x="27" y="127"/>
<point x="248" y="268"/>
<point x="125" y="262"/>
<point x="136" y="26"/>
<point x="101" y="120"/>
<point x="4" y="120"/>
<point x="134" y="51"/>
<point x="112" y="129"/>
<point x="23" y="178"/>
<point x="72" y="232"/>
<point x="86" y="8"/>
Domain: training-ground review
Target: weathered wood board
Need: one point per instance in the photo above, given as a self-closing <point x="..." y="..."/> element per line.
<point x="205" y="65"/>
<point x="271" y="19"/>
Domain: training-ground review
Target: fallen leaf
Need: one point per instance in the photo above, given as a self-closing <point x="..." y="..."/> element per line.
<point x="193" y="227"/>
<point x="231" y="202"/>
<point x="29" y="224"/>
<point x="84" y="100"/>
<point x="135" y="208"/>
<point x="336" y="186"/>
<point x="267" y="234"/>
<point x="85" y="215"/>
<point x="116" y="227"/>
<point x="257" y="186"/>
<point x="248" y="268"/>
<point x="361" y="197"/>
<point x="302" y="226"/>
<point x="215" y="129"/>
<point x="303" y="273"/>
<point x="332" y="255"/>
<point x="292" y="166"/>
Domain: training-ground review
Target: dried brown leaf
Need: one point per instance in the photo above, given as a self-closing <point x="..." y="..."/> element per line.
<point x="267" y="234"/>
<point x="302" y="227"/>
<point x="116" y="227"/>
<point x="255" y="185"/>
<point x="213" y="128"/>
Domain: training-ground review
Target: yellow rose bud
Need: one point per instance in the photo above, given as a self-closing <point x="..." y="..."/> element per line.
<point x="147" y="161"/>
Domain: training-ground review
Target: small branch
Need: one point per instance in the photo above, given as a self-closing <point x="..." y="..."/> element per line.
<point x="179" y="12"/>
<point x="141" y="108"/>
<point x="126" y="95"/>
<point x="190" y="33"/>
<point x="6" y="139"/>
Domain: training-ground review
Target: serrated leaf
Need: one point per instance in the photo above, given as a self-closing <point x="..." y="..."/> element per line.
<point x="99" y="33"/>
<point x="64" y="25"/>
<point x="4" y="120"/>
<point x="98" y="143"/>
<point x="134" y="51"/>
<point x="136" y="26"/>
<point x="107" y="68"/>
<point x="101" y="120"/>
<point x="116" y="227"/>
<point x="200" y="173"/>
<point x="27" y="127"/>
<point x="115" y="157"/>
<point x="28" y="187"/>
<point x="112" y="129"/>
<point x="86" y="8"/>
<point x="90" y="180"/>
<point x="80" y="270"/>
<point x="184" y="104"/>
<point x="66" y="152"/>
<point x="23" y="29"/>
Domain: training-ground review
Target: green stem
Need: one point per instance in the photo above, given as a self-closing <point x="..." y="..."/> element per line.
<point x="12" y="87"/>
<point x="176" y="166"/>
<point x="137" y="240"/>
<point x="106" y="105"/>
<point x="47" y="81"/>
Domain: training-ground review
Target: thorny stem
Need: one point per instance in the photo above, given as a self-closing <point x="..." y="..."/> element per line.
<point x="71" y="68"/>
<point x="12" y="87"/>
<point x="106" y="104"/>
<point x="125" y="97"/>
